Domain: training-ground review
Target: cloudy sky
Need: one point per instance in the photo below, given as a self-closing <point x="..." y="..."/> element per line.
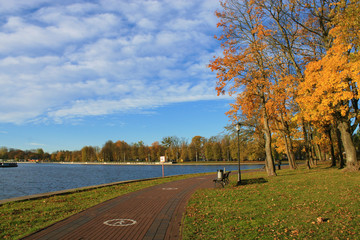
<point x="81" y="72"/>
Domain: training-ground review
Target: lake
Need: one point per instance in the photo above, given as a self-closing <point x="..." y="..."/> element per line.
<point x="29" y="179"/>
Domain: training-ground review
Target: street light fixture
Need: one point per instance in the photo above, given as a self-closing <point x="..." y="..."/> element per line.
<point x="238" y="125"/>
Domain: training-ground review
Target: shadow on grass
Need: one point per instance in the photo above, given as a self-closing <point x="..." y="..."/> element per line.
<point x="253" y="181"/>
<point x="302" y="170"/>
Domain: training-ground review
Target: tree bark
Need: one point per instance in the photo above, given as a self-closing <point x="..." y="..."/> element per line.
<point x="292" y="154"/>
<point x="270" y="165"/>
<point x="306" y="140"/>
<point x="311" y="145"/>
<point x="350" y="151"/>
<point x="339" y="143"/>
<point x="333" y="159"/>
<point x="287" y="151"/>
<point x="288" y="144"/>
<point x="318" y="150"/>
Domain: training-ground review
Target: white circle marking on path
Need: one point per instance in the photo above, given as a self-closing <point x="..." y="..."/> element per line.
<point x="120" y="222"/>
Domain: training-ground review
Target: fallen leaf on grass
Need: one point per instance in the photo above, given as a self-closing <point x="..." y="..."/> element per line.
<point x="322" y="220"/>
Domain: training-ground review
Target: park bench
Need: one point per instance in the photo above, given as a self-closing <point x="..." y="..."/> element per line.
<point x="223" y="180"/>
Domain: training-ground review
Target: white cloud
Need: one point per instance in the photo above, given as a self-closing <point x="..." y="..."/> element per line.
<point x="72" y="60"/>
<point x="147" y="97"/>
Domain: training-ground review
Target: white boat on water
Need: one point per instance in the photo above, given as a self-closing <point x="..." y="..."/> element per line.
<point x="8" y="164"/>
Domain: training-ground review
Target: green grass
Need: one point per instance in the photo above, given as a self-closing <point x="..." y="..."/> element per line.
<point x="18" y="219"/>
<point x="284" y="207"/>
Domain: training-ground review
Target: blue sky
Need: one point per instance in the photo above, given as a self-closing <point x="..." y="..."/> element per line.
<point x="77" y="73"/>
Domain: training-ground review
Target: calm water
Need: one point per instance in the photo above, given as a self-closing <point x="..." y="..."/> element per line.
<point x="28" y="179"/>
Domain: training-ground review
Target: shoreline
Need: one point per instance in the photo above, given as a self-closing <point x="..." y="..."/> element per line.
<point x="152" y="163"/>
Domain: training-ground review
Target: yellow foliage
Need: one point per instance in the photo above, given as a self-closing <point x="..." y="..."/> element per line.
<point x="329" y="85"/>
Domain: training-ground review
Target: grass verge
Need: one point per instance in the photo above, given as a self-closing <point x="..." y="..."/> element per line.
<point x="321" y="203"/>
<point x="18" y="219"/>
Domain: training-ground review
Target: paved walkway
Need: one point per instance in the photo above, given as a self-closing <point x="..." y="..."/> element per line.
<point x="151" y="213"/>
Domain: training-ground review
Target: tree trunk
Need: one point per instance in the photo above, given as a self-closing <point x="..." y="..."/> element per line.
<point x="318" y="150"/>
<point x="313" y="154"/>
<point x="287" y="150"/>
<point x="292" y="154"/>
<point x="311" y="146"/>
<point x="339" y="143"/>
<point x="350" y="151"/>
<point x="333" y="159"/>
<point x="306" y="140"/>
<point x="288" y="144"/>
<point x="270" y="165"/>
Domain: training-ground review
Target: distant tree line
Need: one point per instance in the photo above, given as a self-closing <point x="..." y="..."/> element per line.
<point x="217" y="148"/>
<point x="17" y="154"/>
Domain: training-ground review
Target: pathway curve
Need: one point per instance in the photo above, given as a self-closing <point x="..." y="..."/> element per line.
<point x="150" y="213"/>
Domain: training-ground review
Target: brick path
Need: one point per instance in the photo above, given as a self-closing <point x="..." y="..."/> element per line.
<point x="157" y="211"/>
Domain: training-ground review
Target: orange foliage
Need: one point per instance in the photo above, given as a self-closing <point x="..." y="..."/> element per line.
<point x="242" y="70"/>
<point x="347" y="26"/>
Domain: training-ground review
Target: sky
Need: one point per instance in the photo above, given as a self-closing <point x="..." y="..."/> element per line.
<point x="77" y="73"/>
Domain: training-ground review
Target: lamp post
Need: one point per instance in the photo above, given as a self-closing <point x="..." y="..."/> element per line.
<point x="238" y="125"/>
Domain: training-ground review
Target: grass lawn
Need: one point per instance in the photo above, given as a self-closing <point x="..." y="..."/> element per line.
<point x="322" y="203"/>
<point x="18" y="219"/>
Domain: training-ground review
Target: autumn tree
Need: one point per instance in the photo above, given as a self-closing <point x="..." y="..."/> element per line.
<point x="60" y="156"/>
<point x="142" y="151"/>
<point x="208" y="150"/>
<point x="18" y="154"/>
<point x="334" y="99"/>
<point x="40" y="153"/>
<point x="285" y="46"/>
<point x="138" y="151"/>
<point x="245" y="68"/>
<point x="121" y="151"/>
<point x="184" y="152"/>
<point x="156" y="150"/>
<point x="217" y="153"/>
<point x="107" y="151"/>
<point x="299" y="34"/>
<point x="314" y="20"/>
<point x="76" y="156"/>
<point x="212" y="148"/>
<point x="192" y="152"/>
<point x="4" y="153"/>
<point x="225" y="147"/>
<point x="197" y="144"/>
<point x="172" y="146"/>
<point x="88" y="154"/>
